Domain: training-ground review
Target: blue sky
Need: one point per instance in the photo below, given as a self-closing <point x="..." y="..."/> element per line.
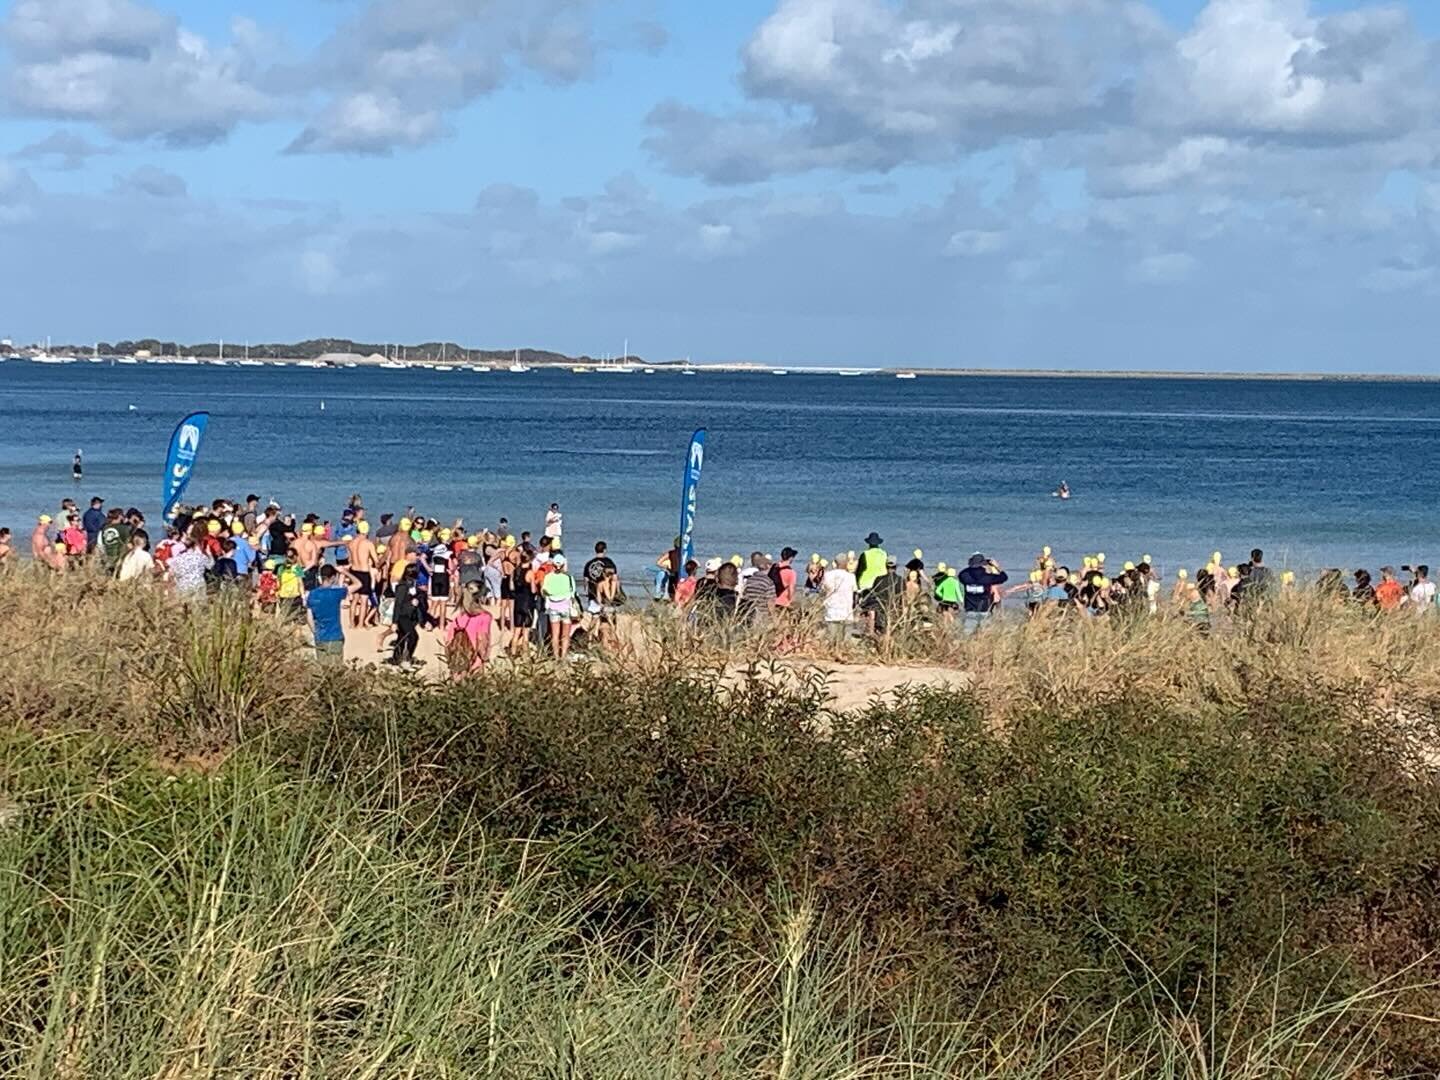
<point x="1167" y="184"/>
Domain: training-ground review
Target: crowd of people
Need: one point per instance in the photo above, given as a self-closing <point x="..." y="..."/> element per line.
<point x="406" y="573"/>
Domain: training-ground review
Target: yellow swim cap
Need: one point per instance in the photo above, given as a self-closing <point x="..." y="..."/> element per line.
<point x="1234" y="571"/>
<point x="379" y="549"/>
<point x="1036" y="575"/>
<point x="919" y="554"/>
<point x="1100" y="558"/>
<point x="426" y="536"/>
<point x="1045" y="551"/>
<point x="815" y="557"/>
<point x="307" y="528"/>
<point x="237" y="528"/>
<point x="1129" y="566"/>
<point x="1103" y="582"/>
<point x="1216" y="559"/>
<point x="509" y="541"/>
<point x="942" y="568"/>
<point x="952" y="572"/>
<point x="363" y="528"/>
<point x="824" y="563"/>
<point x="59" y="545"/>
<point x="45" y="519"/>
<point x="213" y="527"/>
<point x="1287" y="577"/>
<point x="1182" y="573"/>
<point x="405" y="524"/>
<point x="444" y="536"/>
<point x="1147" y="560"/>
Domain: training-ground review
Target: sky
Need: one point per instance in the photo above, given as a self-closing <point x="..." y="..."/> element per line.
<point x="1202" y="185"/>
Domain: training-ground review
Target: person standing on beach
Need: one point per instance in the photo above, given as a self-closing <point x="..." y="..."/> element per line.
<point x="837" y="591"/>
<point x="1422" y="589"/>
<point x="978" y="580"/>
<point x="114" y="541"/>
<point x="872" y="561"/>
<point x="409" y="613"/>
<point x="324" y="609"/>
<point x="1389" y="594"/>
<point x="40" y="538"/>
<point x="596" y="569"/>
<point x="558" y="589"/>
<point x="554" y="524"/>
<point x="364" y="601"/>
<point x="93" y="521"/>
<point x="138" y="564"/>
<point x="782" y="573"/>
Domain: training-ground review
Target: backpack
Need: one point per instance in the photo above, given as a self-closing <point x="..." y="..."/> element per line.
<point x="778" y="578"/>
<point x="459" y="653"/>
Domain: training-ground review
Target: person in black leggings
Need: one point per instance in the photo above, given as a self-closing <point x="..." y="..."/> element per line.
<point x="409" y="613"/>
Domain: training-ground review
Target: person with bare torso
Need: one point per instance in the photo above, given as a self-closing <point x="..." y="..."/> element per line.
<point x="364" y="562"/>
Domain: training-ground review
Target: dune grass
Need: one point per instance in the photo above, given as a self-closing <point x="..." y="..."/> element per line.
<point x="1129" y="851"/>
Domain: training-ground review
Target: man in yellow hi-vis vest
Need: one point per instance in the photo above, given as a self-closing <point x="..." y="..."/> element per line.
<point x="872" y="563"/>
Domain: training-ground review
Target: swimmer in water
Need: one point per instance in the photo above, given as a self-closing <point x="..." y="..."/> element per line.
<point x="1063" y="491"/>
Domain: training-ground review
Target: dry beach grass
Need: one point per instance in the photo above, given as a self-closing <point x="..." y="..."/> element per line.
<point x="1117" y="850"/>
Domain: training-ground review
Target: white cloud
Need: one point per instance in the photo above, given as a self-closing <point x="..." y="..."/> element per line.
<point x="367" y="123"/>
<point x="871" y="84"/>
<point x="393" y="70"/>
<point x="1271" y="68"/>
<point x="129" y="69"/>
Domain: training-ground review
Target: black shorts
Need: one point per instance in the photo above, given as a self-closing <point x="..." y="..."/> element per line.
<point x="439" y="586"/>
<point x="524" y="614"/>
<point x="367" y="584"/>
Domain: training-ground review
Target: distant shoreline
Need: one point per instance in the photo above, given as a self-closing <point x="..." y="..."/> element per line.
<point x="586" y="365"/>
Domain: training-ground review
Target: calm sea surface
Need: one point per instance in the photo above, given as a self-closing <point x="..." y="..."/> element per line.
<point x="1318" y="473"/>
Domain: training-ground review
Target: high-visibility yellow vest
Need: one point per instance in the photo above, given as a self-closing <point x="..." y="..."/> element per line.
<point x="875" y="559"/>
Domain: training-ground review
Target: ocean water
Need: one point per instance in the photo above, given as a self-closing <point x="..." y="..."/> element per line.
<point x="1319" y="473"/>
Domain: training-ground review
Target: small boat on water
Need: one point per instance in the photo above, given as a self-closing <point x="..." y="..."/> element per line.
<point x="517" y="369"/>
<point x="393" y="365"/>
<point x="904" y="375"/>
<point x="850" y="373"/>
<point x="251" y="363"/>
<point x="579" y="370"/>
<point x="127" y="360"/>
<point x="649" y="371"/>
<point x="779" y="371"/>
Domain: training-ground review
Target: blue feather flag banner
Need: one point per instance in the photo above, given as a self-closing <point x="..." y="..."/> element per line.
<point x="694" y="460"/>
<point x="180" y="462"/>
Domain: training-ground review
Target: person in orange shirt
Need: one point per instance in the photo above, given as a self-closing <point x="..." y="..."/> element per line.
<point x="1389" y="594"/>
